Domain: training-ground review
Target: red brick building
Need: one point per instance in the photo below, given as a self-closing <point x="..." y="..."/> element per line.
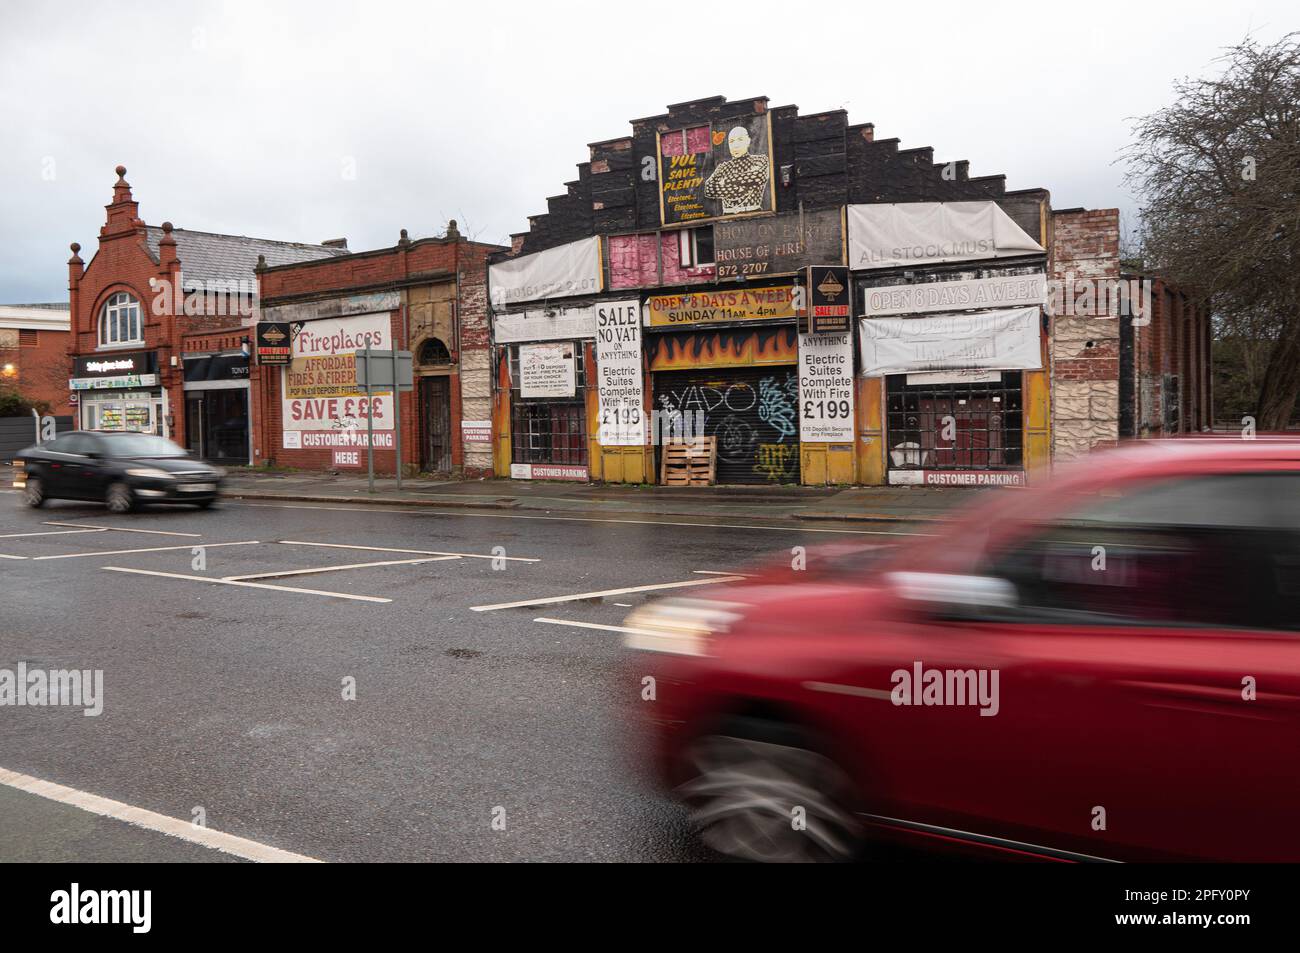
<point x="160" y="325"/>
<point x="34" y="354"/>
<point x="428" y="296"/>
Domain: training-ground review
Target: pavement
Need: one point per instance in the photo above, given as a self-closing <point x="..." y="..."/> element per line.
<point x="227" y="640"/>
<point x="888" y="504"/>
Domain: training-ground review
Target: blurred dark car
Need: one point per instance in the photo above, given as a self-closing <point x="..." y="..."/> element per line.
<point x="120" y="468"/>
<point x="1103" y="667"/>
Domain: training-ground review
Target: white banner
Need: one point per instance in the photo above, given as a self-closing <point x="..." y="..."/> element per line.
<point x="319" y="391"/>
<point x="620" y="385"/>
<point x="922" y="233"/>
<point x="826" y="388"/>
<point x="551" y="324"/>
<point x="1000" y="291"/>
<point x="572" y="269"/>
<point x="547" y="370"/>
<point x="992" y="340"/>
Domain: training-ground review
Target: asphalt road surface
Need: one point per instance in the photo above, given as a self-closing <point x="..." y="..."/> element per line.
<point x="226" y="702"/>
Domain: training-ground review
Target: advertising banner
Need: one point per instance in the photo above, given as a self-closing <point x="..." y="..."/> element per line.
<point x="620" y="383"/>
<point x="828" y="300"/>
<point x="272" y="347"/>
<point x="826" y="388"/>
<point x="320" y="396"/>
<point x="710" y="171"/>
<point x="777" y="245"/>
<point x="547" y="370"/>
<point x="707" y="307"/>
<point x="992" y="340"/>
<point x="549" y="324"/>
<point x="1001" y="291"/>
<point x="561" y="272"/>
<point x="924" y="233"/>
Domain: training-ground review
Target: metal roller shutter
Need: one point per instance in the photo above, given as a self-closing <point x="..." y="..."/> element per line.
<point x="753" y="412"/>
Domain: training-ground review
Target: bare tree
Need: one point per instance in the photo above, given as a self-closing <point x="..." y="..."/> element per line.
<point x="1218" y="174"/>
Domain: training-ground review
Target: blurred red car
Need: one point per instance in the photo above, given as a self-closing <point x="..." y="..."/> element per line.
<point x="1104" y="667"/>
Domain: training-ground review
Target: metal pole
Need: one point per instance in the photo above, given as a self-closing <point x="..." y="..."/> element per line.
<point x="370" y="424"/>
<point x="397" y="417"/>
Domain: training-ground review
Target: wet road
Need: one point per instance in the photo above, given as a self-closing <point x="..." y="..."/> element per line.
<point x="225" y="700"/>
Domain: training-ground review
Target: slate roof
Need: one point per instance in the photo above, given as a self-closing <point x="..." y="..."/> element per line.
<point x="207" y="256"/>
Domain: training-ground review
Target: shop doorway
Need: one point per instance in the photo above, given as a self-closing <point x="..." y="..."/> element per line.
<point x="752" y="411"/>
<point x="216" y="425"/>
<point x="435" y="424"/>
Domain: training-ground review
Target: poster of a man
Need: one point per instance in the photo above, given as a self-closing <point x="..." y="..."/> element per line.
<point x="740" y="183"/>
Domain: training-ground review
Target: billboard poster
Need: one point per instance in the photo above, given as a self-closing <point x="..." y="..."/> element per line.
<point x="560" y="272"/>
<point x="546" y="324"/>
<point x="712" y="171"/>
<point x="998" y="291"/>
<point x="989" y="340"/>
<point x="926" y="233"/>
<point x="826" y="388"/>
<point x="620" y="385"/>
<point x="777" y="245"/>
<point x="320" y="397"/>
<point x="737" y="304"/>
<point x="547" y="370"/>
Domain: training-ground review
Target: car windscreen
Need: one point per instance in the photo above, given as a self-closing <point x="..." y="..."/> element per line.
<point x="140" y="445"/>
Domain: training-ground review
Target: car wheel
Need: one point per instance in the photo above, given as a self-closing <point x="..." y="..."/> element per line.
<point x="120" y="499"/>
<point x="34" y="493"/>
<point x="763" y="801"/>
<point x="204" y="504"/>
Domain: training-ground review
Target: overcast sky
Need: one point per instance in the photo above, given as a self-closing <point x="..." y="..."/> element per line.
<point x="244" y="117"/>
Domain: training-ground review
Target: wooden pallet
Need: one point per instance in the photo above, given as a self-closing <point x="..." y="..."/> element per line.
<point x="689" y="464"/>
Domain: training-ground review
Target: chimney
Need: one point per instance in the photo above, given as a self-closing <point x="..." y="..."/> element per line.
<point x="335" y="243"/>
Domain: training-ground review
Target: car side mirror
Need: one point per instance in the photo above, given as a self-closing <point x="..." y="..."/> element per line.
<point x="953" y="596"/>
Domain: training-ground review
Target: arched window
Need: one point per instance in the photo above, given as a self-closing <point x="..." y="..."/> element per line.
<point x="120" y="321"/>
<point x="433" y="351"/>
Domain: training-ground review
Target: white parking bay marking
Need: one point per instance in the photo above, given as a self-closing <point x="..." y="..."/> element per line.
<point x="151" y="821"/>
<point x="150" y="549"/>
<point x="415" y="552"/>
<point x="251" y="585"/>
<point x="53" y="532"/>
<point x="596" y="625"/>
<point x="552" y="600"/>
<point x="308" y="572"/>
<point x="124" y="529"/>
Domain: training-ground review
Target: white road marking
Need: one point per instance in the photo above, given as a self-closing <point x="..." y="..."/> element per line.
<point x="596" y="625"/>
<point x="715" y="572"/>
<point x="53" y="532"/>
<point x="252" y="585"/>
<point x="552" y="600"/>
<point x="4" y="556"/>
<point x="309" y="572"/>
<point x="571" y="519"/>
<point x="123" y="529"/>
<point x="417" y="552"/>
<point x="151" y="821"/>
<point x="150" y="549"/>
